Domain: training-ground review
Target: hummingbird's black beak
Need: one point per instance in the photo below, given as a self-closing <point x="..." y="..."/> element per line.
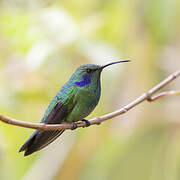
<point x="115" y="62"/>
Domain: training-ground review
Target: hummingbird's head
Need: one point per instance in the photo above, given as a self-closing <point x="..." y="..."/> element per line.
<point x="90" y="73"/>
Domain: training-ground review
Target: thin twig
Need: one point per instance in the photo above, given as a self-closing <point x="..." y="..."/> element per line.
<point x="146" y="96"/>
<point x="163" y="94"/>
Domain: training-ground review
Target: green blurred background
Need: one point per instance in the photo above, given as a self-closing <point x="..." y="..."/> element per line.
<point x="42" y="43"/>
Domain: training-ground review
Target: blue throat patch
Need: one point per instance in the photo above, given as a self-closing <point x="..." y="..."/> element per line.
<point x="86" y="81"/>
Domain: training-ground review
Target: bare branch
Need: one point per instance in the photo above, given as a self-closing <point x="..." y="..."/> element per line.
<point x="163" y="94"/>
<point x="146" y="96"/>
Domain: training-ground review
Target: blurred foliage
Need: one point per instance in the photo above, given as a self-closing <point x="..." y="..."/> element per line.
<point x="42" y="43"/>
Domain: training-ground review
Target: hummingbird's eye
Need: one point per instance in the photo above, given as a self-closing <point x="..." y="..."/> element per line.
<point x="89" y="70"/>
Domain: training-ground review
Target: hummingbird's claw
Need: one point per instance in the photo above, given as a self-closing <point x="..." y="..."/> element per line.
<point x="74" y="126"/>
<point x="87" y="122"/>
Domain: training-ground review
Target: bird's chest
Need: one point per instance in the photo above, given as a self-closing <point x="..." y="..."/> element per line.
<point x="88" y="98"/>
<point x="85" y="102"/>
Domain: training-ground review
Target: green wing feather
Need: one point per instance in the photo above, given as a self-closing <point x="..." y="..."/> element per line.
<point x="56" y="113"/>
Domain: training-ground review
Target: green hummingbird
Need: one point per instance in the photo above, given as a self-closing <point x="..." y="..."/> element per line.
<point x="74" y="101"/>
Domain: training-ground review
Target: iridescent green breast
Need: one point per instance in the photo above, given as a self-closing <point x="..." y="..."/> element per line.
<point x="85" y="102"/>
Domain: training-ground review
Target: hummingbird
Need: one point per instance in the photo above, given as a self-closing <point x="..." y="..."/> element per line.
<point x="74" y="101"/>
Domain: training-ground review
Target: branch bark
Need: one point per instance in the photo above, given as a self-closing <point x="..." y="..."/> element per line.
<point x="98" y="120"/>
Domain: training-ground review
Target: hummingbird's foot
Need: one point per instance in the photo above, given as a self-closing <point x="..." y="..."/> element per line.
<point x="74" y="126"/>
<point x="87" y="122"/>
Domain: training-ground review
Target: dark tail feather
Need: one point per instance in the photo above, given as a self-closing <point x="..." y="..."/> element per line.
<point x="39" y="140"/>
